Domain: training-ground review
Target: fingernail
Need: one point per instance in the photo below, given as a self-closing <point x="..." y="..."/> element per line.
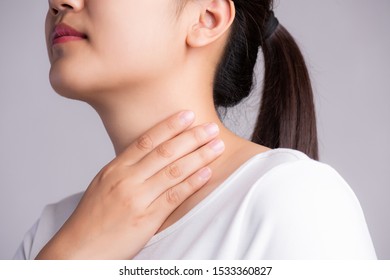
<point x="187" y="116"/>
<point x="211" y="129"/>
<point x="217" y="146"/>
<point x="205" y="173"/>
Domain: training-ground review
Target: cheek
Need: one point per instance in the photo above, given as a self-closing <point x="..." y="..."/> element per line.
<point x="138" y="51"/>
<point x="138" y="42"/>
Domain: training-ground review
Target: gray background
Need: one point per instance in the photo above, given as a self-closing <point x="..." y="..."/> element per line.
<point x="51" y="147"/>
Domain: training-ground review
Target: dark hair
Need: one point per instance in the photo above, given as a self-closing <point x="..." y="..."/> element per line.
<point x="287" y="115"/>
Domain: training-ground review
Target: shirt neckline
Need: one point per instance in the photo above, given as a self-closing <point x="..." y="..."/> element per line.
<point x="175" y="226"/>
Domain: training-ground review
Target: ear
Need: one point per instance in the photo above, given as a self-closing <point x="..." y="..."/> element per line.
<point x="215" y="18"/>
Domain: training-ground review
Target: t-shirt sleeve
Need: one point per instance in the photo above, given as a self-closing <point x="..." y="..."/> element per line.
<point x="24" y="250"/>
<point x="51" y="220"/>
<point x="305" y="210"/>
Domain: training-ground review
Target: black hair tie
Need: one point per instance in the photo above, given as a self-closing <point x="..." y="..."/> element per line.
<point x="270" y="26"/>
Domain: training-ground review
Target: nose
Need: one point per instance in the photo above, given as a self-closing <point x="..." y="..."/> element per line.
<point x="58" y="6"/>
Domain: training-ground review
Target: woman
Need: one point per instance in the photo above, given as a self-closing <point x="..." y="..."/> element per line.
<point x="183" y="186"/>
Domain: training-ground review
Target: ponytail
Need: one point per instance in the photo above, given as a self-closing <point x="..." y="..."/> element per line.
<point x="287" y="115"/>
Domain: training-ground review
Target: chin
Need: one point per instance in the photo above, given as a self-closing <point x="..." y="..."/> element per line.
<point x="69" y="84"/>
<point x="64" y="89"/>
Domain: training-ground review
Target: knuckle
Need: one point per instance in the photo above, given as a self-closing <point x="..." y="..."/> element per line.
<point x="145" y="143"/>
<point x="172" y="124"/>
<point x="173" y="171"/>
<point x="163" y="151"/>
<point x="204" y="155"/>
<point x="172" y="196"/>
<point x="198" y="135"/>
<point x="192" y="183"/>
<point x="106" y="172"/>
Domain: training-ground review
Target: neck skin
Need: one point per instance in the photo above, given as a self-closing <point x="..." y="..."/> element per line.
<point x="130" y="113"/>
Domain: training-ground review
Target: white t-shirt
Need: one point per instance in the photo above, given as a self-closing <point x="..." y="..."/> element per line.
<point x="278" y="205"/>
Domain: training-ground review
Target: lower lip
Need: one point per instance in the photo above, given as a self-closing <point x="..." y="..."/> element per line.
<point x="65" y="39"/>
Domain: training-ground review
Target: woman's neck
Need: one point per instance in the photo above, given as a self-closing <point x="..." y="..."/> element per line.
<point x="128" y="115"/>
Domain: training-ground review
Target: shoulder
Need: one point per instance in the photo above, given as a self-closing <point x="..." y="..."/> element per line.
<point x="291" y="171"/>
<point x="308" y="208"/>
<point x="63" y="208"/>
<point x="51" y="220"/>
<point x="293" y="178"/>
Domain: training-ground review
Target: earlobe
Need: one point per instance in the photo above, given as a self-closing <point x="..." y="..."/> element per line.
<point x="215" y="18"/>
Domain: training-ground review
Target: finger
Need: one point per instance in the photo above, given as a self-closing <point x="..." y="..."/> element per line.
<point x="168" y="201"/>
<point x="163" y="131"/>
<point x="178" y="147"/>
<point x="183" y="168"/>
